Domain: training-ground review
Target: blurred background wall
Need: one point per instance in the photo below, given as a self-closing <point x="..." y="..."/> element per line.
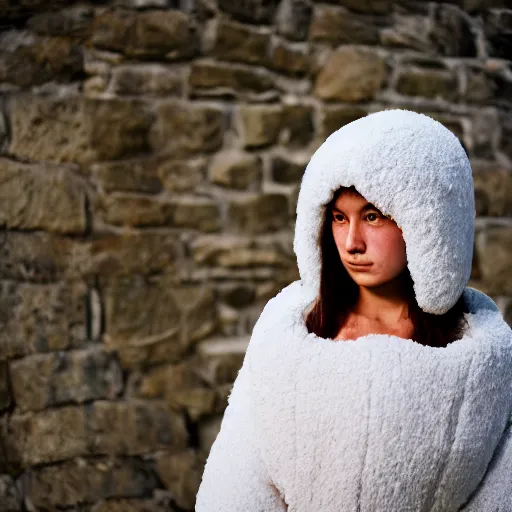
<point x="151" y="155"/>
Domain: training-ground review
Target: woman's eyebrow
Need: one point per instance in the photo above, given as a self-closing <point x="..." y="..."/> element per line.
<point x="367" y="206"/>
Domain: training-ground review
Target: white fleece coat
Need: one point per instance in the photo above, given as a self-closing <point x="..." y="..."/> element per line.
<point x="380" y="423"/>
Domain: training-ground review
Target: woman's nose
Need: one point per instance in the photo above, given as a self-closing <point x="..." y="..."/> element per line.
<point x="355" y="240"/>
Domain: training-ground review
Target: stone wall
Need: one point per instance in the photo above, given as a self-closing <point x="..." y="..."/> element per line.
<point x="151" y="155"/>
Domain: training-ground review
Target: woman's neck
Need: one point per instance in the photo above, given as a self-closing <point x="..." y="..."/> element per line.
<point x="386" y="304"/>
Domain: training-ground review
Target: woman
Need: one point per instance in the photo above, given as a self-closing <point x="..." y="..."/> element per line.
<point x="379" y="388"/>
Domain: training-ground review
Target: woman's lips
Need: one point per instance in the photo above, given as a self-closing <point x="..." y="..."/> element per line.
<point x="359" y="266"/>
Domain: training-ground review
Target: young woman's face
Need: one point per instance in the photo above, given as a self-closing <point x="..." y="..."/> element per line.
<point x="365" y="237"/>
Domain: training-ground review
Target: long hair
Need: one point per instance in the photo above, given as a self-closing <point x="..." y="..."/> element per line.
<point x="339" y="293"/>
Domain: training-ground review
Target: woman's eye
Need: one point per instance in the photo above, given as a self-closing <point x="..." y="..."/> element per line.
<point x="338" y="217"/>
<point x="372" y="217"/>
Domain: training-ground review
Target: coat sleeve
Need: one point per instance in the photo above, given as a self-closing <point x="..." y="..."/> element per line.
<point x="235" y="477"/>
<point x="494" y="494"/>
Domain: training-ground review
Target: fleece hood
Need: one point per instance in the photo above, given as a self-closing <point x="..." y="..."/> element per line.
<point x="414" y="170"/>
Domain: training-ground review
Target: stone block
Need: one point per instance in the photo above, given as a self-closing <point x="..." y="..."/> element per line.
<point x="133" y="253"/>
<point x="29" y="60"/>
<point x="187" y="129"/>
<point x="239" y="43"/>
<point x="493" y="190"/>
<point x="47" y="436"/>
<point x="5" y="388"/>
<point x="480" y="86"/>
<point x="261" y="124"/>
<point x="181" y="473"/>
<point x="258" y="213"/>
<point x="497" y="24"/>
<point x="232" y="251"/>
<point x="209" y="78"/>
<point x="45" y="380"/>
<point x="252" y="11"/>
<point x="53" y="197"/>
<point x="127" y="176"/>
<point x="288" y="58"/>
<point x="40" y="257"/>
<point x="235" y="169"/>
<point x="428" y="83"/>
<point x="41" y="318"/>
<point x="452" y="33"/>
<point x="166" y="34"/>
<point x="335" y="116"/>
<point x="147" y="80"/>
<point x="198" y="311"/>
<point x="408" y="31"/>
<point x="134" y="428"/>
<point x="286" y="171"/>
<point x="77" y="129"/>
<point x="71" y="21"/>
<point x="293" y="18"/>
<point x="181" y="175"/>
<point x="368" y="6"/>
<point x="336" y="25"/>
<point x="142" y="321"/>
<point x="494" y="248"/>
<point x="482" y="133"/>
<point x="130" y="505"/>
<point x="297" y="128"/>
<point x="10" y="498"/>
<point x="364" y="74"/>
<point x="81" y="480"/>
<point x="219" y="359"/>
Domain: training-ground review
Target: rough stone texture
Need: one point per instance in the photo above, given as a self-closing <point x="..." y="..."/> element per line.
<point x="181" y="473"/>
<point x="259" y="213"/>
<point x="70" y="21"/>
<point x="493" y="191"/>
<point x="217" y="79"/>
<point x="53" y="198"/>
<point x="151" y="158"/>
<point x="77" y="129"/>
<point x="235" y="169"/>
<point x="498" y="31"/>
<point x="30" y="60"/>
<point x="494" y="250"/>
<point x="41" y="318"/>
<point x="45" y="380"/>
<point x="334" y="117"/>
<point x="364" y="74"/>
<point x="293" y="18"/>
<point x="87" y="480"/>
<point x="298" y="125"/>
<point x="428" y="84"/>
<point x="368" y="6"/>
<point x="147" y="80"/>
<point x="239" y="43"/>
<point x="10" y="499"/>
<point x="261" y="124"/>
<point x="150" y="322"/>
<point x="287" y="58"/>
<point x="252" y="11"/>
<point x="286" y="171"/>
<point x="337" y="25"/>
<point x="160" y="33"/>
<point x="184" y="129"/>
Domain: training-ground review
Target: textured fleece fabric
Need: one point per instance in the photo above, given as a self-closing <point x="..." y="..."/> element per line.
<point x="380" y="423"/>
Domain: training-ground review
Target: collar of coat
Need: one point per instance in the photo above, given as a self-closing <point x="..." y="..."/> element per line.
<point x="381" y="422"/>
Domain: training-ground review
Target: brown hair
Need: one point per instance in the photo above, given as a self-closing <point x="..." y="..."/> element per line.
<point x="331" y="307"/>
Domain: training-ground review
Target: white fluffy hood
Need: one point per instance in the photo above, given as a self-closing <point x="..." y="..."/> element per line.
<point x="414" y="170"/>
